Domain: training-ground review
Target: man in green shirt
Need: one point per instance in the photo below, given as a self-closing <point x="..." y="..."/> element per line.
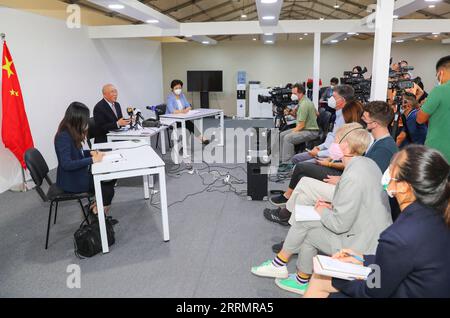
<point x="436" y="110"/>
<point x="306" y="128"/>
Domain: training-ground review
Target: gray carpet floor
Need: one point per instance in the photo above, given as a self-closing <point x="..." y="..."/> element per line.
<point x="215" y="239"/>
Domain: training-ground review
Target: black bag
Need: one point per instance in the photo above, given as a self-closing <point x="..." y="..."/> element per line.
<point x="87" y="241"/>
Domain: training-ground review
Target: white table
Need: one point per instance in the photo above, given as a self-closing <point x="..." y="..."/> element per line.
<point x="144" y="134"/>
<point x="196" y="114"/>
<point x="141" y="161"/>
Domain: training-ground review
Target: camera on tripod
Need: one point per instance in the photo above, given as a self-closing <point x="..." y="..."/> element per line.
<point x="281" y="98"/>
<point x="356" y="80"/>
<point x="397" y="79"/>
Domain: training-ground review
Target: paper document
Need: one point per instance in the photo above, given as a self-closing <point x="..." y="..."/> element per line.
<point x="306" y="213"/>
<point x="112" y="157"/>
<point x="327" y="266"/>
<point x="193" y="112"/>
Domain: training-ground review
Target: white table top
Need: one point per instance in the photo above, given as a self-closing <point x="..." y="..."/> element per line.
<point x="132" y="159"/>
<point x="119" y="145"/>
<point x="194" y="114"/>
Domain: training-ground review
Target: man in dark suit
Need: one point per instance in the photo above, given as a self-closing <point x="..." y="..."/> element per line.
<point x="108" y="114"/>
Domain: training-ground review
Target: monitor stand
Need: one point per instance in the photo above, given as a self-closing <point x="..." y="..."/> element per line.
<point x="204" y="99"/>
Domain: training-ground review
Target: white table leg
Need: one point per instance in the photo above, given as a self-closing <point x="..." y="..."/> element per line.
<point x="163" y="140"/>
<point x="184" y="138"/>
<point x="163" y="198"/>
<point x="222" y="130"/>
<point x="175" y="149"/>
<point x="101" y="215"/>
<point x="146" y="190"/>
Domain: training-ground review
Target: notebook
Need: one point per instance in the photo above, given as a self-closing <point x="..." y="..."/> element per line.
<point x="306" y="213"/>
<point x="327" y="266"/>
<point x="112" y="157"/>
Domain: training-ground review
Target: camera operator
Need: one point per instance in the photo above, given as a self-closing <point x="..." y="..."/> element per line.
<point x="436" y="110"/>
<point x="412" y="133"/>
<point x="306" y="128"/>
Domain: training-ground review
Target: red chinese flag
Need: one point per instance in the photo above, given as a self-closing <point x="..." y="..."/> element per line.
<point x="16" y="132"/>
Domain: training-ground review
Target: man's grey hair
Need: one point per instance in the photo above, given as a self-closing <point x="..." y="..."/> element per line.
<point x="346" y="91"/>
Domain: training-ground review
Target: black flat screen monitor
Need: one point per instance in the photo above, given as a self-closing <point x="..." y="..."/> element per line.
<point x="204" y="81"/>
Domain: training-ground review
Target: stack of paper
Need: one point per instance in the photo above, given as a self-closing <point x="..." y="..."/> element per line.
<point x="306" y="213"/>
<point x="112" y="157"/>
<point x="327" y="266"/>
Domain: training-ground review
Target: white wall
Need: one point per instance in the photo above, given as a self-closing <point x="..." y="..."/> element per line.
<point x="57" y="65"/>
<point x="286" y="61"/>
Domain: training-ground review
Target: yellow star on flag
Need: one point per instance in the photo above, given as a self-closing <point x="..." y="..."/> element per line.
<point x="7" y="67"/>
<point x="14" y="93"/>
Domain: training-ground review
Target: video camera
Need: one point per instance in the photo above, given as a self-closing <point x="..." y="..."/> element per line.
<point x="397" y="81"/>
<point x="281" y="99"/>
<point x="361" y="85"/>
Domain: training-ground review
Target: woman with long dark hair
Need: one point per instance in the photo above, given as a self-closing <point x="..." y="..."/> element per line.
<point x="73" y="173"/>
<point x="413" y="254"/>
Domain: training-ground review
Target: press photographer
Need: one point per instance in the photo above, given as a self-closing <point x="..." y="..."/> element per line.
<point x="355" y="79"/>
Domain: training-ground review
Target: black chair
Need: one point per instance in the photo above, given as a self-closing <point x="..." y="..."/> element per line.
<point x="92" y="131"/>
<point x="161" y="110"/>
<point x="39" y="171"/>
<point x="325" y="125"/>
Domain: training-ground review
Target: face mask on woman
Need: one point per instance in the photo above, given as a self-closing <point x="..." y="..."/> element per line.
<point x="177" y="91"/>
<point x="332" y="102"/>
<point x="336" y="152"/>
<point x="385" y="180"/>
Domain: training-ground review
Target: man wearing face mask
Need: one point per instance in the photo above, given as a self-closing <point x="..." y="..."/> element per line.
<point x="412" y="133"/>
<point x="342" y="94"/>
<point x="436" y="110"/>
<point x="326" y="92"/>
<point x="306" y="128"/>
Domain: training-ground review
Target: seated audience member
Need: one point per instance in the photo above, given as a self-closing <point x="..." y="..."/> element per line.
<point x="436" y="110"/>
<point x="412" y="254"/>
<point x="108" y="114"/>
<point x="355" y="217"/>
<point x="73" y="173"/>
<point x="327" y="92"/>
<point x="306" y="128"/>
<point x="377" y="115"/>
<point x="342" y="95"/>
<point x="412" y="132"/>
<point x="178" y="104"/>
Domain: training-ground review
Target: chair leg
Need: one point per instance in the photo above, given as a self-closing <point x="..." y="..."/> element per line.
<point x="48" y="225"/>
<point x="157" y="141"/>
<point x="168" y="138"/>
<point x="84" y="211"/>
<point x="56" y="211"/>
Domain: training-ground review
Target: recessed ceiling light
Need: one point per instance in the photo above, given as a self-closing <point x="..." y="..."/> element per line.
<point x="268" y="1"/>
<point x="115" y="6"/>
<point x="336" y="6"/>
<point x="351" y="33"/>
<point x="152" y="21"/>
<point x="322" y="19"/>
<point x="345" y="39"/>
<point x="334" y="41"/>
<point x="399" y="41"/>
<point x="254" y="39"/>
<point x="395" y="16"/>
<point x="205" y="42"/>
<point x="268" y="17"/>
<point x="243" y="16"/>
<point x="435" y="33"/>
<point x="268" y="34"/>
<point x="305" y="33"/>
<point x="268" y="42"/>
<point x="300" y="38"/>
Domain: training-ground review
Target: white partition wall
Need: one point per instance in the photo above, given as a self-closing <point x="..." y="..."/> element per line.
<point x="57" y="65"/>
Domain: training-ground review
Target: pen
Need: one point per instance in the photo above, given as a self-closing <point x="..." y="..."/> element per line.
<point x="356" y="257"/>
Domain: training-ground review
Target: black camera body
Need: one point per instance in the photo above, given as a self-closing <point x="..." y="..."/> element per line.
<point x="397" y="82"/>
<point x="361" y="85"/>
<point x="281" y="98"/>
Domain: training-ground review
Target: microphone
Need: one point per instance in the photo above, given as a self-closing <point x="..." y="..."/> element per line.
<point x="138" y="113"/>
<point x="130" y="111"/>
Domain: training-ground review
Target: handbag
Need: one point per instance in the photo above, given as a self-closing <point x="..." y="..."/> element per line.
<point x="87" y="240"/>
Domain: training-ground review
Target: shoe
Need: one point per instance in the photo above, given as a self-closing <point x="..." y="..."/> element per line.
<point x="276" y="248"/>
<point x="267" y="269"/>
<point x="273" y="215"/>
<point x="111" y="220"/>
<point x="278" y="200"/>
<point x="291" y="284"/>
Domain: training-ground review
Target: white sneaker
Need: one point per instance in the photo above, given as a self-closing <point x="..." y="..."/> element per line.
<point x="267" y="269"/>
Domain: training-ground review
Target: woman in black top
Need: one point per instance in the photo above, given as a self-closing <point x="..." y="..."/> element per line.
<point x="413" y="255"/>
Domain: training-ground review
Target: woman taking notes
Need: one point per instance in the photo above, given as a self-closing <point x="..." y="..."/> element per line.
<point x="413" y="253"/>
<point x="178" y="104"/>
<point x="73" y="173"/>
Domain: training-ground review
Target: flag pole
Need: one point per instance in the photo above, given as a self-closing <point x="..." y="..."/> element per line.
<point x="3" y="36"/>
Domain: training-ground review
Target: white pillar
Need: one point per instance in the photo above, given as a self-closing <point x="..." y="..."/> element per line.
<point x="316" y="81"/>
<point x="382" y="49"/>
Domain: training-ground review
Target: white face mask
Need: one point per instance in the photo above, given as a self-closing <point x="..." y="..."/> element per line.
<point x="177" y="91"/>
<point x="385" y="180"/>
<point x="294" y="97"/>
<point x="332" y="102"/>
